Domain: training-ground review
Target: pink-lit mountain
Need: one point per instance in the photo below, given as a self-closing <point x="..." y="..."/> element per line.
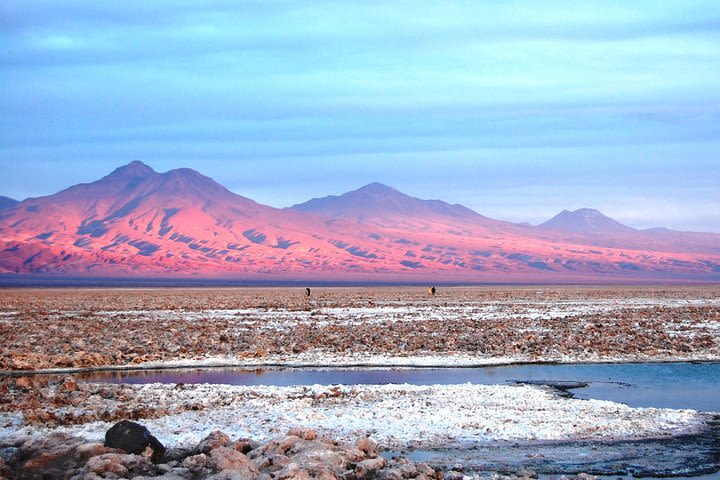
<point x="136" y="222"/>
<point x="377" y="203"/>
<point x="585" y="220"/>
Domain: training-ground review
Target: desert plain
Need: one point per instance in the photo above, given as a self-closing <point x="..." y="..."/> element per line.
<point x="66" y="330"/>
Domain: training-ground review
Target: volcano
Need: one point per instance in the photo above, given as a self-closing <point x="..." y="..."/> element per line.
<point x="585" y="220"/>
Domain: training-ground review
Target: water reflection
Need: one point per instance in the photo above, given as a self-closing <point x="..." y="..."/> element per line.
<point x="666" y="385"/>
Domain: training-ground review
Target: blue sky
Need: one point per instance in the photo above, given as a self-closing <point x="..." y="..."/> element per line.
<point x="515" y="109"/>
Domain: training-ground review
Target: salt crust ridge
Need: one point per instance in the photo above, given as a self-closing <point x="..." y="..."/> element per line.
<point x="396" y="416"/>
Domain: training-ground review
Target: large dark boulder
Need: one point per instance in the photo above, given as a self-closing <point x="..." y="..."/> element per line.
<point x="133" y="438"/>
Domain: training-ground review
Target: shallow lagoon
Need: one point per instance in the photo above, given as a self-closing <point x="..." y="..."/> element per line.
<point x="661" y="385"/>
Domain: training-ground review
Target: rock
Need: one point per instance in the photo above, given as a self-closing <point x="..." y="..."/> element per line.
<point x="133" y="438"/>
<point x="57" y="455"/>
<point x="24" y="383"/>
<point x="214" y="440"/>
<point x="425" y="469"/>
<point x="182" y="472"/>
<point x="68" y="385"/>
<point x="325" y="474"/>
<point x="33" y="446"/>
<point x="100" y="467"/>
<point x="195" y="462"/>
<point x="59" y="458"/>
<point x="367" y="468"/>
<point x="164" y="476"/>
<point x="174" y="455"/>
<point x="4" y="469"/>
<point x="304" y="433"/>
<point x="407" y="468"/>
<point x="288" y="443"/>
<point x="583" y="476"/>
<point x="89" y="450"/>
<point x="527" y="473"/>
<point x="294" y="456"/>
<point x="11" y="456"/>
<point x="88" y="476"/>
<point x="244" y="445"/>
<point x="120" y="464"/>
<point x="368" y="447"/>
<point x="230" y="475"/>
<point x="263" y="451"/>
<point x="391" y="474"/>
<point x="454" y="474"/>
<point x="318" y="456"/>
<point x="225" y="458"/>
<point x="292" y="472"/>
<point x="273" y="463"/>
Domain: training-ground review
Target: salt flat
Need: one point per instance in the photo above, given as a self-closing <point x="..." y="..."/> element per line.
<point x="397" y="416"/>
<point x="90" y="328"/>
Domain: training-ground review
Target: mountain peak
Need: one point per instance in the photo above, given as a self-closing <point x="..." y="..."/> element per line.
<point x="376" y="188"/>
<point x="186" y="174"/>
<point x="378" y="201"/>
<point x="136" y="168"/>
<point x="588" y="212"/>
<point x="184" y="181"/>
<point x="586" y="221"/>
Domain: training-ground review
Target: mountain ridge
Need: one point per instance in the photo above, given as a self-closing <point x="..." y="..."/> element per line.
<point x="138" y="222"/>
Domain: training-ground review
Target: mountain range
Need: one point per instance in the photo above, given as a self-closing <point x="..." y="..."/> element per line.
<point x="136" y="222"/>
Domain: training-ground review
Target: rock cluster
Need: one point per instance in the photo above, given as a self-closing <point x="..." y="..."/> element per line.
<point x="299" y="455"/>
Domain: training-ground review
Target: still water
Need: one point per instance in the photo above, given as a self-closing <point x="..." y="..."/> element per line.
<point x="662" y="385"/>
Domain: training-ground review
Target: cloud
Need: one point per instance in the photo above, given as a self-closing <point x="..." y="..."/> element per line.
<point x="350" y="89"/>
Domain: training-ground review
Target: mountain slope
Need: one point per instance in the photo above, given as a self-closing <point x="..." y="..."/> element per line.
<point x="7" y="202"/>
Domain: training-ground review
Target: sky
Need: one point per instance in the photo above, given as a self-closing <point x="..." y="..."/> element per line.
<point x="517" y="110"/>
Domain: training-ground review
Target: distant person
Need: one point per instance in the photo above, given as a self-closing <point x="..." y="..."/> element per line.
<point x="431" y="291"/>
<point x="307" y="291"/>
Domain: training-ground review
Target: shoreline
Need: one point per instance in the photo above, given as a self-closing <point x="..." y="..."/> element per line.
<point x="407" y="363"/>
<point x="399" y="416"/>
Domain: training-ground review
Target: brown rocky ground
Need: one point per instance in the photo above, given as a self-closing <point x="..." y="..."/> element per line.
<point x="299" y="455"/>
<point x="85" y="328"/>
